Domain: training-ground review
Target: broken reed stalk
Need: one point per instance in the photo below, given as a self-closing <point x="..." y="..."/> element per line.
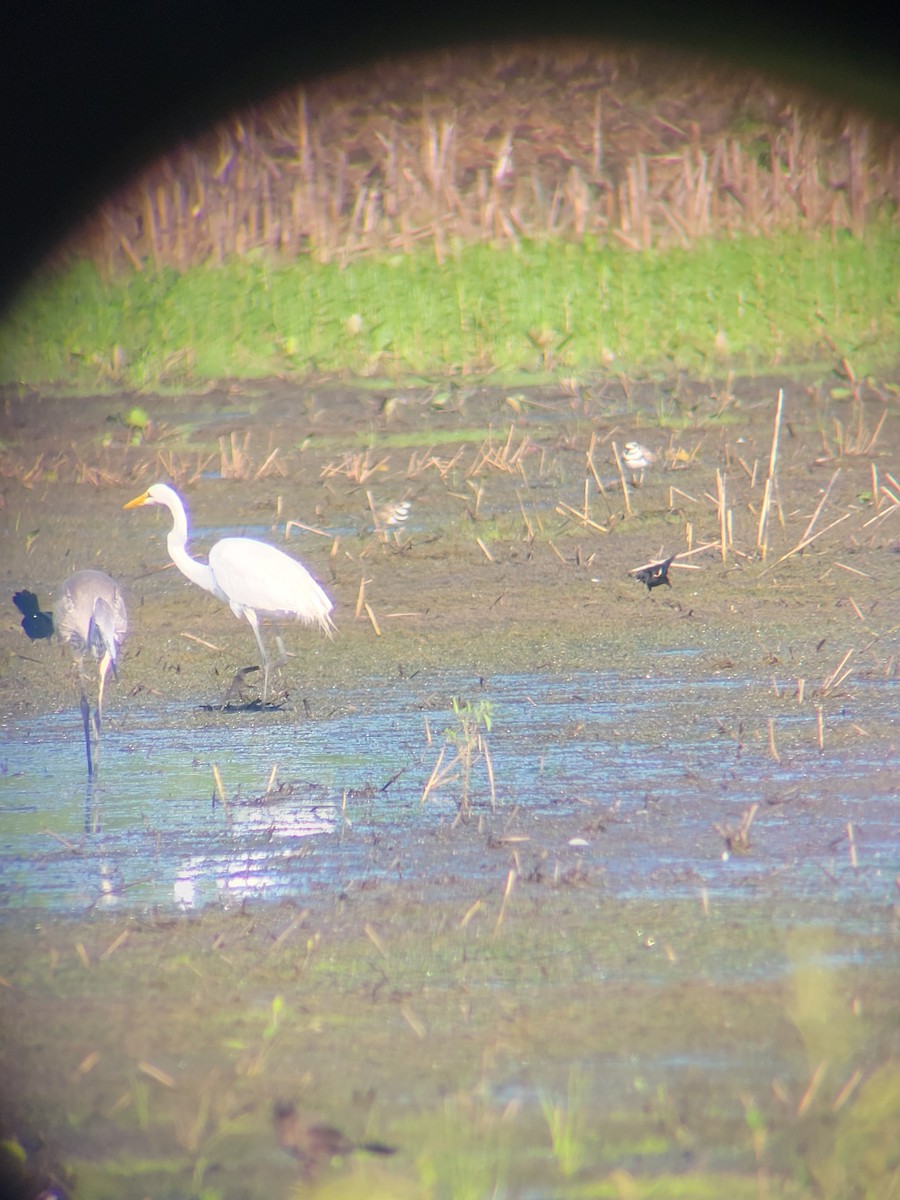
<point x="376" y="522"/>
<point x="837" y="676"/>
<point x="820" y="725"/>
<point x="217" y="778"/>
<point x="526" y="520"/>
<point x="437" y="776"/>
<point x="761" y="536"/>
<point x="806" y="542"/>
<point x="814" y="1084"/>
<point x="590" y="462"/>
<point x="361" y="598"/>
<point x="289" y="525"/>
<point x="773" y="749"/>
<point x="507" y="892"/>
<point x="566" y="510"/>
<point x="373" y="620"/>
<point x="723" y="514"/>
<point x="261" y="471"/>
<point x="621" y="471"/>
<point x="490" y="772"/>
<point x="856" y="609"/>
<point x="820" y="506"/>
<point x="851" y="839"/>
<point x="220" y="792"/>
<point x="870" y="444"/>
<point x="847" y="1090"/>
<point x="895" y="504"/>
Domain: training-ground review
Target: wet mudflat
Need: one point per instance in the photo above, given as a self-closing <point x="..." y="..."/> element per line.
<point x="560" y="886"/>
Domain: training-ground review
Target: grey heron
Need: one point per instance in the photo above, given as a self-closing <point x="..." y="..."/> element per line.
<point x="90" y="617"/>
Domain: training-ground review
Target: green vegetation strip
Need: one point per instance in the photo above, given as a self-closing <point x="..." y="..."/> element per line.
<point x="743" y="304"/>
<point x="563" y="1044"/>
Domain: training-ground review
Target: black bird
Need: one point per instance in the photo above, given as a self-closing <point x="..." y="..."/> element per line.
<point x="655" y="574"/>
<point x="36" y="624"/>
<point x="315" y="1145"/>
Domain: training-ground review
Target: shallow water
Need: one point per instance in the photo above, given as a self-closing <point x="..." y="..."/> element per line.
<point x="620" y="777"/>
<point x="323" y="934"/>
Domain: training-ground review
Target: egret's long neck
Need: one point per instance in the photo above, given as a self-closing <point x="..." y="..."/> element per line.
<point x="197" y="572"/>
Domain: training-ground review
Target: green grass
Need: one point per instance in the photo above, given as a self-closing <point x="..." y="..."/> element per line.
<point x="549" y="308"/>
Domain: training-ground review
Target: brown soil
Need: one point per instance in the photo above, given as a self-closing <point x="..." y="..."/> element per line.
<point x="69" y="465"/>
<point x="433" y="1016"/>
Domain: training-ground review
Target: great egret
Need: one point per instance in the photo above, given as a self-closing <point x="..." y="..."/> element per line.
<point x="90" y="617"/>
<point x="253" y="578"/>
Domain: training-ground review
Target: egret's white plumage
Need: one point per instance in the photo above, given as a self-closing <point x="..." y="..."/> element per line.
<point x="90" y="617"/>
<point x="252" y="577"/>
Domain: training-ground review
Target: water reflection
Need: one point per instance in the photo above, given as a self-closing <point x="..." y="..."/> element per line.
<point x="268" y="847"/>
<point x="599" y="776"/>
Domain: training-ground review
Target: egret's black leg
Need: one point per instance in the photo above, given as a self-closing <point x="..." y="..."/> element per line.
<point x="86" y="721"/>
<point x="96" y="740"/>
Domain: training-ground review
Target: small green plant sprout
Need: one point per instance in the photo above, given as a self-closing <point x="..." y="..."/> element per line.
<point x="474" y="721"/>
<point x="756" y="1123"/>
<point x="468" y="738"/>
<point x="138" y="423"/>
<point x="567" y="1122"/>
<point x="254" y="1060"/>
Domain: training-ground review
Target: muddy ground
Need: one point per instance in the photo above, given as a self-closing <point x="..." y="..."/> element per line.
<point x="525" y="1031"/>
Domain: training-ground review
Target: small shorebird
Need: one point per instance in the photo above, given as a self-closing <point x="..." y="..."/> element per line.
<point x="389" y="518"/>
<point x="394" y="514"/>
<point x="637" y="458"/>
